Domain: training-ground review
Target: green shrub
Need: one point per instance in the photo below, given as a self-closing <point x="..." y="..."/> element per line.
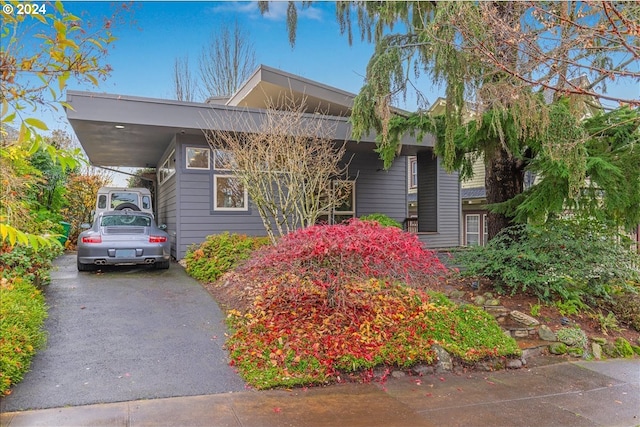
<point x="22" y="314"/>
<point x="625" y="305"/>
<point x="382" y="219"/>
<point x="623" y="348"/>
<point x="27" y="263"/>
<point x="220" y="253"/>
<point x="568" y="260"/>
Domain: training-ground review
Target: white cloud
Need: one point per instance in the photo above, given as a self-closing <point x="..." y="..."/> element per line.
<point x="277" y="10"/>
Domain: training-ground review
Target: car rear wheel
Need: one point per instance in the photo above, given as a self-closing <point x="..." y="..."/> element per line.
<point x="162" y="265"/>
<point x="85" y="267"/>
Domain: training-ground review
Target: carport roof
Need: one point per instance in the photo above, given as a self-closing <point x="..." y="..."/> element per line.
<point x="129" y="131"/>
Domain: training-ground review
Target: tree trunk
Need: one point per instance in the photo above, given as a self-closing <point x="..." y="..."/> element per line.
<point x="504" y="179"/>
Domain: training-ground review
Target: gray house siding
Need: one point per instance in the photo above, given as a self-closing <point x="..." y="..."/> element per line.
<point x="377" y="190"/>
<point x="197" y="218"/>
<point x="166" y="206"/>
<point x="427" y="192"/>
<point x="438" y="203"/>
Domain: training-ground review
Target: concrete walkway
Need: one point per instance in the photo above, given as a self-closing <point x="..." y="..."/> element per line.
<point x="545" y="393"/>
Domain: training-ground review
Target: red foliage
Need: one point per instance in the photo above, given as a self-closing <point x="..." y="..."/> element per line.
<point x="332" y="255"/>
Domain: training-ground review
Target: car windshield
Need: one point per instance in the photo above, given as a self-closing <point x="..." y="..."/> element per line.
<point x="126" y="220"/>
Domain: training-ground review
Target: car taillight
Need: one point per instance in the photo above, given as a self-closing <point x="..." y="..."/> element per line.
<point x="157" y="239"/>
<point x="92" y="239"/>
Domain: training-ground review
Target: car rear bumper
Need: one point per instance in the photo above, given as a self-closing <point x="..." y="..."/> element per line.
<point x="126" y="256"/>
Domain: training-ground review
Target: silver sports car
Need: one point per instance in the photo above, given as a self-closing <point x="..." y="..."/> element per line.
<point x="123" y="237"/>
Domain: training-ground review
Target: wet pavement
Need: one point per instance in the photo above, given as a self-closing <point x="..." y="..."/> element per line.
<point x="125" y="333"/>
<point x="605" y="393"/>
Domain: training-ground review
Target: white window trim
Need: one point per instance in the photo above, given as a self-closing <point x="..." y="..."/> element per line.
<point x="466" y="229"/>
<point x="215" y="196"/>
<point x="413" y="161"/>
<point x="162" y="177"/>
<point x="485" y="229"/>
<point x="186" y="158"/>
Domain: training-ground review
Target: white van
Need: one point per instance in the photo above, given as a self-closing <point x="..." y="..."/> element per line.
<point x="120" y="198"/>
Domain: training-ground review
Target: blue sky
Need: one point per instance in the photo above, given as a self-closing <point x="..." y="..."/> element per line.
<point x="143" y="55"/>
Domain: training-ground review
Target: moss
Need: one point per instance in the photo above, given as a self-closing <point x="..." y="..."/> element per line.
<point x="623" y="348"/>
<point x="575" y="351"/>
<point x="558" y="348"/>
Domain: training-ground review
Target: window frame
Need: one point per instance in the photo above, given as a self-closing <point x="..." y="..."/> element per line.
<point x="333" y="212"/>
<point x="166" y="171"/>
<point x="215" y="195"/>
<point x="186" y="158"/>
<point x="485" y="229"/>
<point x="413" y="174"/>
<point x="466" y="229"/>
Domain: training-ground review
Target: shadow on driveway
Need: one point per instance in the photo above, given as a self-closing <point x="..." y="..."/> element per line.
<point x="125" y="333"/>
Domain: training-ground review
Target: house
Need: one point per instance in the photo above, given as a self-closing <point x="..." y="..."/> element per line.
<point x="196" y="197"/>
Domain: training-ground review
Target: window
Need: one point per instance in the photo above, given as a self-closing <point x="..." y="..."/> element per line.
<point x="229" y="194"/>
<point x="485" y="229"/>
<point x="168" y="168"/>
<point x="413" y="172"/>
<point x="123" y="197"/>
<point x="198" y="158"/>
<point x="472" y="227"/>
<point x="125" y="220"/>
<point x="146" y="202"/>
<point x="347" y="209"/>
<point x="222" y="160"/>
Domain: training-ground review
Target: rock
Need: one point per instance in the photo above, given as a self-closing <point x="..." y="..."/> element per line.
<point x="598" y="340"/>
<point x="398" y="374"/>
<point x="575" y="351"/>
<point x="487" y="295"/>
<point x="596" y="349"/>
<point x="479" y="300"/>
<point x="546" y="334"/>
<point x="492" y="302"/>
<point x="422" y="369"/>
<point x="609" y="349"/>
<point x="490" y="365"/>
<point x="444" y="359"/>
<point x="496" y="311"/>
<point x="514" y="364"/>
<point x="523" y="319"/>
<point x="456" y="294"/>
<point x="558" y="348"/>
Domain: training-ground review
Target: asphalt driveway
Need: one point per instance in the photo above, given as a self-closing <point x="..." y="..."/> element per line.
<point x="125" y="333"/>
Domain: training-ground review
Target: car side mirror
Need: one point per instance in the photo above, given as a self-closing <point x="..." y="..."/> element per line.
<point x="162" y="226"/>
<point x="85" y="225"/>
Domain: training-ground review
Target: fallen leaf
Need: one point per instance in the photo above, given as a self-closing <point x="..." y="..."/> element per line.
<point x="277" y="410"/>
